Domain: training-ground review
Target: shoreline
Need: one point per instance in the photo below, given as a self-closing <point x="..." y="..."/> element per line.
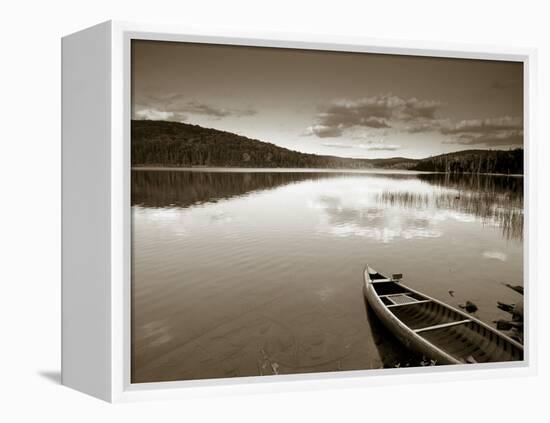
<point x="305" y="170"/>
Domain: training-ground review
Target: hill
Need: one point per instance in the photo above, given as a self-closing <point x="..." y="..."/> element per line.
<point x="173" y="144"/>
<point x="159" y="143"/>
<point x="474" y="161"/>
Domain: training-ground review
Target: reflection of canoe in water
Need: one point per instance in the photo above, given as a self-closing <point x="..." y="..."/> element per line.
<point x="433" y="328"/>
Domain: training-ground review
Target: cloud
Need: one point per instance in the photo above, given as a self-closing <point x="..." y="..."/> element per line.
<point x="347" y="117"/>
<point x="377" y="112"/>
<point x="327" y="144"/>
<point x="324" y="131"/>
<point x="426" y="125"/>
<point x="156" y="114"/>
<point x="383" y="147"/>
<point x="419" y="109"/>
<point x="177" y="107"/>
<point x="484" y="125"/>
<point x="205" y="109"/>
<point x="492" y="132"/>
<point x="371" y="146"/>
<point x="500" y="139"/>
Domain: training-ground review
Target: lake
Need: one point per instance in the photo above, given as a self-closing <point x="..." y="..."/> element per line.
<point x="246" y="273"/>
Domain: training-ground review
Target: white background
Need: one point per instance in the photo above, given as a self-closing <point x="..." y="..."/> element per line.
<point x="30" y="207"/>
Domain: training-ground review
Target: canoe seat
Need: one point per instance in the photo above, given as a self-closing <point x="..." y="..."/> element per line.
<point x="401" y="299"/>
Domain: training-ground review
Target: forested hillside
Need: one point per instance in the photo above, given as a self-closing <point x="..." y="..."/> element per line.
<point x="475" y="161"/>
<point x="158" y="143"/>
<point x="172" y="144"/>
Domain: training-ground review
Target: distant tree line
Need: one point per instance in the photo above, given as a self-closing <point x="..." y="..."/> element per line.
<point x="475" y="161"/>
<point x="173" y="144"/>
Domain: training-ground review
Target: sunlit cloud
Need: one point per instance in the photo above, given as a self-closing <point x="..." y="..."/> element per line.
<point x="344" y="117"/>
<point x="178" y="107"/>
<point x="500" y="131"/>
<point x="370" y="146"/>
<point x="376" y="112"/>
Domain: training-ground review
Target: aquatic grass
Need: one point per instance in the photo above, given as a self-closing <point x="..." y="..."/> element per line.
<point x="481" y="197"/>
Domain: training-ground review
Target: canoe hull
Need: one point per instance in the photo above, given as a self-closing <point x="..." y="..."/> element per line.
<point x="434" y="329"/>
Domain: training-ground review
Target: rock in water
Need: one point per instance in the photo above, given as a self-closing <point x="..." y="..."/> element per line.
<point x="509" y="308"/>
<point x="517" y="288"/>
<point x="470" y="307"/>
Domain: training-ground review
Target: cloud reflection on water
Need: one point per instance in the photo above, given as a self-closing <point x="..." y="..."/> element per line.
<point x="359" y="217"/>
<point x="378" y="206"/>
<point x="414" y="208"/>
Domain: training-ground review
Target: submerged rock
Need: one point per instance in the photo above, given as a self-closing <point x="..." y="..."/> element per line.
<point x="470" y="307"/>
<point x="509" y="308"/>
<point x="517" y="288"/>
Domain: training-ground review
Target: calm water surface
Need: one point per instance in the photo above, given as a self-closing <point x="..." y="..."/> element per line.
<point x="256" y="273"/>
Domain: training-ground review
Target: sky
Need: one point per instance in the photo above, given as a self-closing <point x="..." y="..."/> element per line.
<point x="332" y="103"/>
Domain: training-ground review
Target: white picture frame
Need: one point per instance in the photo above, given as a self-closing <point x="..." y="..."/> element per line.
<point x="97" y="222"/>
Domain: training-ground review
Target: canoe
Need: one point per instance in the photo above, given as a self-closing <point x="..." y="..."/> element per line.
<point x="434" y="329"/>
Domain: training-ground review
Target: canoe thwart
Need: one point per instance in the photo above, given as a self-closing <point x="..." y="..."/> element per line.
<point x="442" y="325"/>
<point x="395" y="295"/>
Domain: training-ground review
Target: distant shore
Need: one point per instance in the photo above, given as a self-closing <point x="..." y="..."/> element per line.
<point x="275" y="169"/>
<point x="158" y="144"/>
<point x="305" y="170"/>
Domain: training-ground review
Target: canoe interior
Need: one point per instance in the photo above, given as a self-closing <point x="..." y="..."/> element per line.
<point x="466" y="340"/>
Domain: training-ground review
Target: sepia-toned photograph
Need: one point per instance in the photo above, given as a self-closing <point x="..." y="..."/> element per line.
<point x="310" y="211"/>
